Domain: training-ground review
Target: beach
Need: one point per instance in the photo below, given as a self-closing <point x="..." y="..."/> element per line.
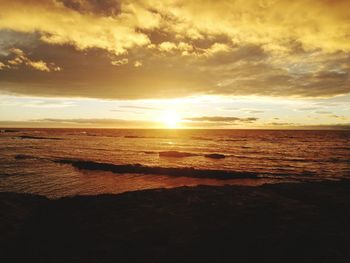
<point x="289" y="222"/>
<point x="174" y="131"/>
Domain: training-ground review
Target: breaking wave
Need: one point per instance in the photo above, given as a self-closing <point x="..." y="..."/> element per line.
<point x="156" y="170"/>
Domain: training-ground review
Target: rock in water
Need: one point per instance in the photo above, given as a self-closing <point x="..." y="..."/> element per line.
<point x="215" y="156"/>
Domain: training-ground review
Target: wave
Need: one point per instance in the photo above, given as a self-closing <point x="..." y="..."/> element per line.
<point x="156" y="170"/>
<point x="38" y="137"/>
<point x="176" y="154"/>
<point x="8" y="131"/>
<point x="287" y="159"/>
<point x="151" y="137"/>
<point x="23" y="157"/>
<point x="179" y="154"/>
<point x="201" y="138"/>
<point x="214" y="156"/>
<point x="149" y="152"/>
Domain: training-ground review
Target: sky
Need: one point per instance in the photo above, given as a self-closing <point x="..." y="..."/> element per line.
<point x="271" y="64"/>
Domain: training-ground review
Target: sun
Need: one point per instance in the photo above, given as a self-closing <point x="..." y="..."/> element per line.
<point x="171" y="119"/>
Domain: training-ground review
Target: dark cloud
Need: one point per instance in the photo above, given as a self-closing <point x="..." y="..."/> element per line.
<point x="91" y="74"/>
<point x="249" y="53"/>
<point x="10" y="39"/>
<point x="102" y="7"/>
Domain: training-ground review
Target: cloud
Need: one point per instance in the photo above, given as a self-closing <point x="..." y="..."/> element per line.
<point x="327" y="104"/>
<point x="183" y="48"/>
<point x="80" y="121"/>
<point x="247" y="110"/>
<point x="40" y="65"/>
<point x="127" y="49"/>
<point x="242" y="71"/>
<point x="296" y="126"/>
<point x="127" y="111"/>
<point x="252" y="111"/>
<point x="121" y="123"/>
<point x="89" y="122"/>
<point x="84" y="24"/>
<point x="36" y="103"/>
<point x="105" y="7"/>
<point x="120" y="62"/>
<point x="10" y="39"/>
<point x="308" y="108"/>
<point x="120" y="25"/>
<point x="20" y="58"/>
<point x="334" y="116"/>
<point x="137" y="64"/>
<point x="167" y="46"/>
<point x="287" y="124"/>
<point x="134" y="109"/>
<point x="219" y="119"/>
<point x="217" y="48"/>
<point x="345" y="126"/>
<point x="313" y="23"/>
<point x="48" y="104"/>
<point x="138" y="107"/>
<point x="323" y="112"/>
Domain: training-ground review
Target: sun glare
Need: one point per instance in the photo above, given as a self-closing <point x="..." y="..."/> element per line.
<point x="171" y="119"/>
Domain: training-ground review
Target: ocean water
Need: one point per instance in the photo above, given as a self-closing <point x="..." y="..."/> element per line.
<point x="61" y="162"/>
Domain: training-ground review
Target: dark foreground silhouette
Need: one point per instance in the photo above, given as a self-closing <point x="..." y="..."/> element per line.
<point x="307" y="222"/>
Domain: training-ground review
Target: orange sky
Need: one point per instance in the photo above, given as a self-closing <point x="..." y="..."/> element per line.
<point x="217" y="64"/>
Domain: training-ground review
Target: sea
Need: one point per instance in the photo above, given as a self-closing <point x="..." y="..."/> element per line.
<point x="66" y="162"/>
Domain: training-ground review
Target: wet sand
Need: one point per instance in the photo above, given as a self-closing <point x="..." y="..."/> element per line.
<point x="304" y="222"/>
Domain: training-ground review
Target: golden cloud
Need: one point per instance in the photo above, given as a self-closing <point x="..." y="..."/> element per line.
<point x="59" y="24"/>
<point x="120" y="62"/>
<point x="118" y="25"/>
<point x="173" y="48"/>
<point x="316" y="24"/>
<point x="20" y="58"/>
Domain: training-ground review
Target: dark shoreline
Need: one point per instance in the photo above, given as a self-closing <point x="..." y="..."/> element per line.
<point x="304" y="222"/>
